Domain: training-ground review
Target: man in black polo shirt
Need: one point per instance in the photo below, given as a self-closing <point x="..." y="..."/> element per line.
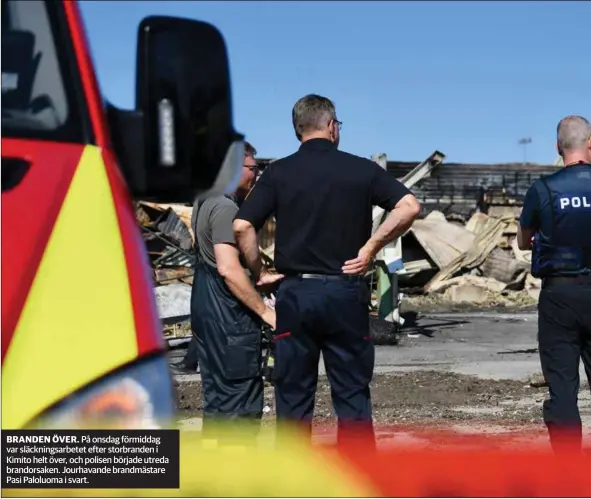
<point x="322" y="200"/>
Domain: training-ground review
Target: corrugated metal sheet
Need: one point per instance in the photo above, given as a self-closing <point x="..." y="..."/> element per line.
<point x="459" y="188"/>
<point x="172" y="225"/>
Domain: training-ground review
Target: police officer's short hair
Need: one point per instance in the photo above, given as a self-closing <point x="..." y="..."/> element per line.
<point x="312" y="113"/>
<point x="573" y="132"/>
<point x="249" y="150"/>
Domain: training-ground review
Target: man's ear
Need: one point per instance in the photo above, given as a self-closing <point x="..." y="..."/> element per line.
<point x="331" y="130"/>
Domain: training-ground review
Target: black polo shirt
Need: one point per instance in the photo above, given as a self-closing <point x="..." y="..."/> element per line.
<point x="322" y="199"/>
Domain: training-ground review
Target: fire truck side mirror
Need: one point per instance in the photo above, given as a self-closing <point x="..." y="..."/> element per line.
<point x="180" y="141"/>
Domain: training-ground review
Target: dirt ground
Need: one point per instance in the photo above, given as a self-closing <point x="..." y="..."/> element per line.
<point x="511" y="301"/>
<point x="421" y="396"/>
<point x="467" y="372"/>
<point x="428" y="409"/>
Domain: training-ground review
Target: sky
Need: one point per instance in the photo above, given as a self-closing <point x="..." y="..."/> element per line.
<point x="467" y="78"/>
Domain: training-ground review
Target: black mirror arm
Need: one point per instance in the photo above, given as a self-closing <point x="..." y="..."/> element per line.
<point x="127" y="137"/>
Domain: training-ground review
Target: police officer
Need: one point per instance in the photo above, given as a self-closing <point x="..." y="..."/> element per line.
<point x="557" y="217"/>
<point x="322" y="200"/>
<point x="226" y="314"/>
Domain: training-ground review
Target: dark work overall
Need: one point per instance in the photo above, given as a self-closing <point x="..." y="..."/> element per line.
<point x="229" y="352"/>
<point x="562" y="258"/>
<point x="327" y="314"/>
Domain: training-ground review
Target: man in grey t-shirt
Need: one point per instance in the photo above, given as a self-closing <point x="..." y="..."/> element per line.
<point x="227" y="310"/>
<point x="214" y="225"/>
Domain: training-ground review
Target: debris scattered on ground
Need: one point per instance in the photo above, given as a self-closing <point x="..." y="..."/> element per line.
<point x="537" y="381"/>
<point x="516" y="301"/>
<point x="168" y="237"/>
<point x="173" y="301"/>
<point x="177" y="330"/>
<point x="478" y="262"/>
<point x="450" y="260"/>
<point x="167" y="233"/>
<point x="181" y="212"/>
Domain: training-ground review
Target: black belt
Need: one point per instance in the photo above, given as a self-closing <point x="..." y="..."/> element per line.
<point x="330" y="277"/>
<point x="574" y="279"/>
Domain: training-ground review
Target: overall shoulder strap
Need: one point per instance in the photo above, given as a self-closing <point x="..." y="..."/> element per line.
<point x="194" y="223"/>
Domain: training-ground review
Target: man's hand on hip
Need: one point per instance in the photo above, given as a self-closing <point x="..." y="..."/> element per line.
<point x="266" y="278"/>
<point x="267" y="282"/>
<point x="361" y="264"/>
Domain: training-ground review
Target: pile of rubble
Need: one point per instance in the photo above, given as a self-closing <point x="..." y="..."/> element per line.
<point x="450" y="261"/>
<point x="472" y="262"/>
<point x="445" y="259"/>
<point x="167" y="233"/>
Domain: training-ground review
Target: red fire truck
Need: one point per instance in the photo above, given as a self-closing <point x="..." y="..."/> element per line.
<point x="80" y="333"/>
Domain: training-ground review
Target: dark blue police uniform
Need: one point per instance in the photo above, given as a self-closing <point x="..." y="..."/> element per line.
<point x="322" y="199"/>
<point x="558" y="209"/>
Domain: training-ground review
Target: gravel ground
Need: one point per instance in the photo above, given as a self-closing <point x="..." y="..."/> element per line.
<point x="467" y="372"/>
<point x="512" y="301"/>
<point x="418" y="397"/>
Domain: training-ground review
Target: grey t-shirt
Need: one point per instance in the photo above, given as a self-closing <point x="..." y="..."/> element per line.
<point x="213" y="225"/>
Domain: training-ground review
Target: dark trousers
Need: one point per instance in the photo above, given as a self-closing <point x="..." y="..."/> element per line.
<point x="190" y="360"/>
<point x="229" y="356"/>
<point x="564" y="336"/>
<point x="329" y="316"/>
<point x="232" y="402"/>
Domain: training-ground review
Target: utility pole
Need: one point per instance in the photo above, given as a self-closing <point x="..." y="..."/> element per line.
<point x="524" y="142"/>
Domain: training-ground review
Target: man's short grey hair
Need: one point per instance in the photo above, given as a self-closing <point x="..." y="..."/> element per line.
<point x="249" y="149"/>
<point x="573" y="133"/>
<point x="312" y="113"/>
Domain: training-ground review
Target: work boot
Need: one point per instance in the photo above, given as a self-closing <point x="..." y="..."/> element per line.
<point x="180" y="368"/>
